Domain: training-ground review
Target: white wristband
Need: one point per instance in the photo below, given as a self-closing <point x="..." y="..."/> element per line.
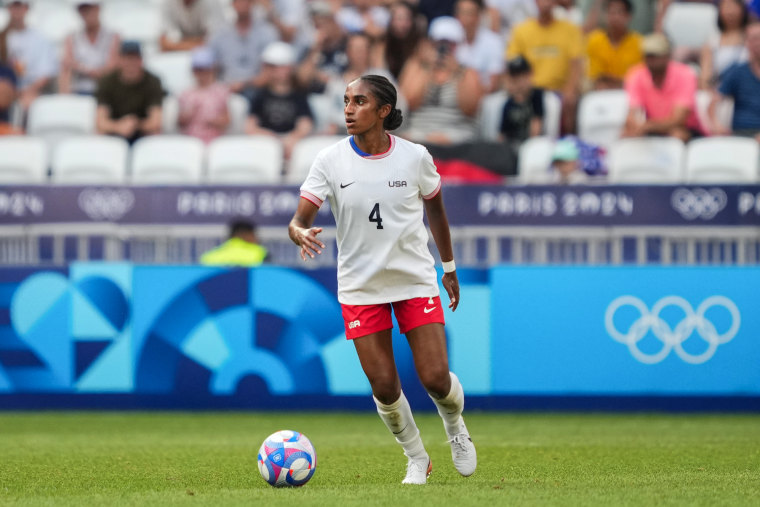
<point x="449" y="266"/>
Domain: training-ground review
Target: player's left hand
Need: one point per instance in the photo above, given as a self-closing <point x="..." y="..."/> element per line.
<point x="451" y="284"/>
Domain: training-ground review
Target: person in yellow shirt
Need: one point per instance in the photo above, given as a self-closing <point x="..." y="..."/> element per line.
<point x="613" y="51"/>
<point x="554" y="49"/>
<point x="242" y="249"/>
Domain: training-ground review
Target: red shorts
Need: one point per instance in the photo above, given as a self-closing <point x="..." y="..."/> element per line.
<point x="361" y="320"/>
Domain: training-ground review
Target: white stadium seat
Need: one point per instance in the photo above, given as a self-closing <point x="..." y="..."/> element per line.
<point x="690" y="24"/>
<point x="23" y="160"/>
<point x="56" y="117"/>
<point x="724" y="109"/>
<point x="245" y="160"/>
<point x="489" y="115"/>
<point x="303" y="155"/>
<point x="237" y="107"/>
<point x="647" y="160"/>
<point x="174" y="69"/>
<point x="134" y="20"/>
<point x="55" y="19"/>
<point x="552" y="114"/>
<point x="170" y="115"/>
<point x="601" y="116"/>
<point x="167" y="160"/>
<point x="722" y="160"/>
<point x="321" y="111"/>
<point x="90" y="160"/>
<point x="534" y="159"/>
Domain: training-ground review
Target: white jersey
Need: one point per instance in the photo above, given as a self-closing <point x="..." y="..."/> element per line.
<point x="377" y="203"/>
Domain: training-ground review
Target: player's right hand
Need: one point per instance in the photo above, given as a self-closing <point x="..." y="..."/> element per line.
<point x="310" y="245"/>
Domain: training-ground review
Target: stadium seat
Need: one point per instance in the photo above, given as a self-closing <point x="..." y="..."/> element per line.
<point x="647" y="160"/>
<point x="56" y="117"/>
<point x="724" y="112"/>
<point x="245" y="159"/>
<point x="489" y="115"/>
<point x="534" y="159"/>
<point x="601" y="116"/>
<point x="167" y="160"/>
<point x="237" y="107"/>
<point x="170" y="115"/>
<point x="552" y="114"/>
<point x="173" y="69"/>
<point x="23" y="160"/>
<point x="90" y="160"/>
<point x="55" y="19"/>
<point x="321" y="111"/>
<point x="690" y="24"/>
<point x="722" y="160"/>
<point x="303" y="155"/>
<point x="134" y="20"/>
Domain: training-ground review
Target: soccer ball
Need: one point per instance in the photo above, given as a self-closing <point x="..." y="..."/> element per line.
<point x="287" y="458"/>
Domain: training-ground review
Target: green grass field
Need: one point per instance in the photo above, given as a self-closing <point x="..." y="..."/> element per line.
<point x="524" y="459"/>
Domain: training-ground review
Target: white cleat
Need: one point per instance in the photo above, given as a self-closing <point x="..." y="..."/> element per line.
<point x="463" y="452"/>
<point x="417" y="471"/>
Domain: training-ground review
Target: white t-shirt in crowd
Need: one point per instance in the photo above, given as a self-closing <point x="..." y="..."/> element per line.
<point x="377" y="203"/>
<point x="33" y="56"/>
<point x="485" y="54"/>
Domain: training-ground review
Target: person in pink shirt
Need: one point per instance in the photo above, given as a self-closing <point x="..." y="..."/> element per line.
<point x="203" y="109"/>
<point x="661" y="94"/>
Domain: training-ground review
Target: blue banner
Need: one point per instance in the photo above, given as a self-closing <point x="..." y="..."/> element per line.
<point x="114" y="335"/>
<point x="611" y="330"/>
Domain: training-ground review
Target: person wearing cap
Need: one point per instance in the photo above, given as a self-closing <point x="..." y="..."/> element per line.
<point x="481" y="49"/>
<point x="613" y="51"/>
<point x="443" y="95"/>
<point x="203" y="109"/>
<point x="129" y="98"/>
<point x="661" y="94"/>
<point x="279" y="108"/>
<point x="742" y="84"/>
<point x="238" y="47"/>
<point x="89" y="53"/>
<point x="564" y="168"/>
<point x="187" y="23"/>
<point x="554" y="49"/>
<point x="523" y="113"/>
<point x="32" y="56"/>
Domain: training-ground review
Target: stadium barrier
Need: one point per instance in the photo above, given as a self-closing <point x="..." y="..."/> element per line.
<point x="119" y="335"/>
<point x="490" y="224"/>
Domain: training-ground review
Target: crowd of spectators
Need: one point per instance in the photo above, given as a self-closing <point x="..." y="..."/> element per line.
<point x="444" y="56"/>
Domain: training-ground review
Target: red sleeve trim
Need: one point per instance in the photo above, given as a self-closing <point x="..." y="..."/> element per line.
<point x="316" y="201"/>
<point x="434" y="192"/>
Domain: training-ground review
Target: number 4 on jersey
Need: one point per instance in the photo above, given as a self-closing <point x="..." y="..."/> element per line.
<point x="374" y="215"/>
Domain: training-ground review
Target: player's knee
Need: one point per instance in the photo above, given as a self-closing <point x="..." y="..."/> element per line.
<point x="386" y="388"/>
<point x="436" y="381"/>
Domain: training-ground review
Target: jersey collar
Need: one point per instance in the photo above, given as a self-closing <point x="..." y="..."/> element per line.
<point x="373" y="157"/>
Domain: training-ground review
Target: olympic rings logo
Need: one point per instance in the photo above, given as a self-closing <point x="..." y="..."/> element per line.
<point x="699" y="202"/>
<point x="672" y="338"/>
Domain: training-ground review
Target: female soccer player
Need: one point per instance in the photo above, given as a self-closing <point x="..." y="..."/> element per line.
<point x="378" y="185"/>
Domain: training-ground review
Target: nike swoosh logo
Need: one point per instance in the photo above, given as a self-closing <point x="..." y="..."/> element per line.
<point x="347" y="184"/>
<point x="428" y="310"/>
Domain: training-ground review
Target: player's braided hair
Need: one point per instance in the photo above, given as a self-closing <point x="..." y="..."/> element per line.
<point x="385" y="93"/>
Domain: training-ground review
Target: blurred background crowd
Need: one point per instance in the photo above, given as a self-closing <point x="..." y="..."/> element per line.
<point x="477" y="79"/>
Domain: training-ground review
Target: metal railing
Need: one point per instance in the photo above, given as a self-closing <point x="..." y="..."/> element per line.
<point x="46" y="244"/>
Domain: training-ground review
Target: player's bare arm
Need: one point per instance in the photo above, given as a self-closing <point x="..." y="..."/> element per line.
<point x="439" y="226"/>
<point x="301" y="231"/>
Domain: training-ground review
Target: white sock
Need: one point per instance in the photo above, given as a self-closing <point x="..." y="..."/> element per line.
<point x="398" y="418"/>
<point x="451" y="406"/>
